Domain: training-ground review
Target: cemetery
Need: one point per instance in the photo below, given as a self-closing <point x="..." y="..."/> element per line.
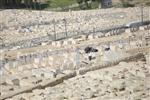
<point x="76" y="55"/>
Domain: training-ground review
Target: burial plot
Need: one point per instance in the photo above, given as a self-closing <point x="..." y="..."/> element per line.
<point x="148" y="58"/>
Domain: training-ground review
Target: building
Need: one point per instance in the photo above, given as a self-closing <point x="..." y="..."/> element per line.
<point x="106" y="3"/>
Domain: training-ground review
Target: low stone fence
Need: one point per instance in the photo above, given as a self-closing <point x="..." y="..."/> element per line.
<point x="60" y="36"/>
<point x="108" y="64"/>
<point x="40" y="56"/>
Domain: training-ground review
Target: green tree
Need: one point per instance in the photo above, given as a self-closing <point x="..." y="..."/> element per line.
<point x="127" y="3"/>
<point x="83" y="3"/>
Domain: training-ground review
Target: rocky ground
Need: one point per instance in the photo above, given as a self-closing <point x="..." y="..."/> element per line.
<point x="23" y="23"/>
<point x="125" y="81"/>
<point x="114" y="67"/>
<point x="29" y="80"/>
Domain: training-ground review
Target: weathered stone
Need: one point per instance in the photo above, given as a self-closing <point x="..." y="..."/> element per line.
<point x="91" y="37"/>
<point x="16" y="82"/>
<point x="37" y="92"/>
<point x="12" y="80"/>
<point x="127" y="30"/>
<point x="25" y="82"/>
<point x="54" y="43"/>
<point x="49" y="74"/>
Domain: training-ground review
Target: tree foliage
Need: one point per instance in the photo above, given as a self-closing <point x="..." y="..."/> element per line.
<point x="85" y="3"/>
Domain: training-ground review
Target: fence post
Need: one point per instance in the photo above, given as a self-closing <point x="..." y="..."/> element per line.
<point x="77" y="58"/>
<point x="65" y="23"/>
<point x="54" y="24"/>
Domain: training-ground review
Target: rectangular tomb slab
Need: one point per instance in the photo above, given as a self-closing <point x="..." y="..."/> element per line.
<point x="12" y="80"/>
<point x="49" y="75"/>
<point x="37" y="91"/>
<point x="37" y="72"/>
<point x="5" y="89"/>
<point x="25" y="83"/>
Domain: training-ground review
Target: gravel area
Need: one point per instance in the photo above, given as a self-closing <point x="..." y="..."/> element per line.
<point x="121" y="82"/>
<point x="25" y="24"/>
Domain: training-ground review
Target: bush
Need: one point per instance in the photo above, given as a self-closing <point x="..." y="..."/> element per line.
<point x="127" y="4"/>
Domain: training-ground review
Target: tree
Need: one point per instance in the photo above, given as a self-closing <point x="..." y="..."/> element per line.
<point x="80" y="3"/>
<point x="127" y="3"/>
<point x="84" y="2"/>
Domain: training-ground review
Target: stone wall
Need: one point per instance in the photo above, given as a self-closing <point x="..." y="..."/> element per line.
<point x="38" y="41"/>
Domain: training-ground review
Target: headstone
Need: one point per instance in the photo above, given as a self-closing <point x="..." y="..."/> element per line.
<point x="25" y="82"/>
<point x="121" y="46"/>
<point x="18" y="55"/>
<point x="113" y="47"/>
<point x="37" y="91"/>
<point x="128" y="30"/>
<point x="7" y="66"/>
<point x="142" y="28"/>
<point x="91" y="37"/>
<point x="107" y="34"/>
<point x="15" y="64"/>
<point x="1" y="72"/>
<point x="43" y="44"/>
<point x="66" y="56"/>
<point x="148" y="59"/>
<point x="65" y="43"/>
<point x="49" y="74"/>
<point x="133" y="43"/>
<point x="83" y="37"/>
<point x="12" y="81"/>
<point x="16" y="82"/>
<point x="36" y="60"/>
<point x="28" y="59"/>
<point x="72" y="41"/>
<point x="53" y="43"/>
<point x="20" y="68"/>
<point x="37" y="72"/>
<point x="58" y="44"/>
<point x="43" y="62"/>
<point x="50" y="60"/>
<point x="96" y="36"/>
<point x="72" y="65"/>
